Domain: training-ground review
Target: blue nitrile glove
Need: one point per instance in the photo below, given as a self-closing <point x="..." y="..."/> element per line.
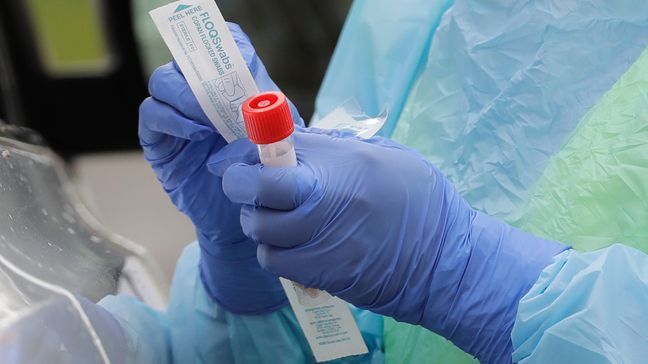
<point x="376" y="224"/>
<point x="177" y="139"/>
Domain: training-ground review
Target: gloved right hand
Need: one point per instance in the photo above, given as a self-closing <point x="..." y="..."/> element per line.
<point x="178" y="139"/>
<point x="376" y="224"/>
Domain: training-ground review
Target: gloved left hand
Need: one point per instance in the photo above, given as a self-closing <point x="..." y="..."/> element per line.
<point x="177" y="139"/>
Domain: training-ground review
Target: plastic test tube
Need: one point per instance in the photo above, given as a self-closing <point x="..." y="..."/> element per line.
<point x="270" y="126"/>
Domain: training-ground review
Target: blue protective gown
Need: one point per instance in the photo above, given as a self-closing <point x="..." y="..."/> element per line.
<point x="196" y="330"/>
<point x="584" y="308"/>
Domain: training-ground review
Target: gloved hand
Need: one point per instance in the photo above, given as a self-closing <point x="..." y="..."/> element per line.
<point x="376" y="224"/>
<point x="177" y="139"/>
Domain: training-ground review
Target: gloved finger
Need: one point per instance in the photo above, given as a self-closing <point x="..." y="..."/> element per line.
<point x="168" y="85"/>
<point x="295" y="264"/>
<point x="239" y="151"/>
<point x="158" y="119"/>
<point x="279" y="261"/>
<point x="285" y="229"/>
<point x="274" y="188"/>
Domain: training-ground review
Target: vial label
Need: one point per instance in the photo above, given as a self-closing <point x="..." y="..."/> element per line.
<point x="327" y="322"/>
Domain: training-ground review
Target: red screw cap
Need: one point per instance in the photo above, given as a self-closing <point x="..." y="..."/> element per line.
<point x="267" y="118"/>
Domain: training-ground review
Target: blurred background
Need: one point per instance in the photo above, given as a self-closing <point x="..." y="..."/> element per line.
<point x="76" y="72"/>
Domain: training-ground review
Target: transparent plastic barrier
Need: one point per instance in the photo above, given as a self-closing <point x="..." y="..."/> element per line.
<point x="55" y="260"/>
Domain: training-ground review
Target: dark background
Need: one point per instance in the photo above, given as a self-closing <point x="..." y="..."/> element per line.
<point x="90" y="111"/>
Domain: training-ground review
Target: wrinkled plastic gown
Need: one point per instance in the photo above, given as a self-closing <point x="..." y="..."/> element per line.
<point x="55" y="260"/>
<point x="520" y="103"/>
<point x="594" y="193"/>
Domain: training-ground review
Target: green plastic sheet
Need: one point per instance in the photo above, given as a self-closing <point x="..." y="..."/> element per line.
<point x="593" y="193"/>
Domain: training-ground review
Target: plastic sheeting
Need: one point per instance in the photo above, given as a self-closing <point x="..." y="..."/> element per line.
<point x="195" y="330"/>
<point x="503" y="87"/>
<point x="606" y="201"/>
<point x="577" y="312"/>
<point x="594" y="192"/>
<point x="54" y="260"/>
<point x="507" y="82"/>
<point x="381" y="50"/>
<point x="411" y="344"/>
<point x="64" y="331"/>
<point x="202" y="331"/>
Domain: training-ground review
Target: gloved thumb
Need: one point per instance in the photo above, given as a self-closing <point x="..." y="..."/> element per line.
<point x="238" y="151"/>
<point x="273" y="188"/>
